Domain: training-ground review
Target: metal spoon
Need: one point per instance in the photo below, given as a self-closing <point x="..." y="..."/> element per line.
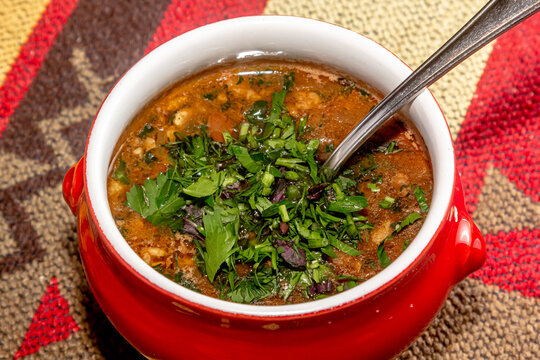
<point x="492" y="20"/>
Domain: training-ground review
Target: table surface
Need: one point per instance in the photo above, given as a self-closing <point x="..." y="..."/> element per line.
<point x="58" y="58"/>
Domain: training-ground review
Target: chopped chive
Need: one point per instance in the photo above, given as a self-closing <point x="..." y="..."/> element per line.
<point x="373" y="187"/>
<point x="283" y="213"/>
<point x="227" y="137"/>
<point x="267" y="179"/>
<point x="292" y="164"/>
<point x="244" y="129"/>
<point x="387" y="202"/>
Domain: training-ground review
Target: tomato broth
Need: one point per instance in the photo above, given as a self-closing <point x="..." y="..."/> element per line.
<point x="216" y="183"/>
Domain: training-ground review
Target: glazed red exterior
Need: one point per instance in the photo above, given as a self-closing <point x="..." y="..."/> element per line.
<point x="378" y="326"/>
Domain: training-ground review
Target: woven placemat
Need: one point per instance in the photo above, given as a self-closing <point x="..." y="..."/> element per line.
<point x="58" y="59"/>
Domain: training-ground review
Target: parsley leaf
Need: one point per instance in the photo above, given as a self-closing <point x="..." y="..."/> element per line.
<point x="203" y="187"/>
<point x="157" y="201"/>
<point x="221" y="230"/>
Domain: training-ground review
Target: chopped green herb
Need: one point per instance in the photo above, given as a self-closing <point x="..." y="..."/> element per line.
<point x="242" y="154"/>
<point x="211" y="95"/>
<point x="411" y="218"/>
<point x="182" y="280"/>
<point x="226" y="106"/>
<point x="364" y="92"/>
<point x="149" y="157"/>
<point x="147" y="129"/>
<point x="406" y="244"/>
<point x="221" y="235"/>
<point x="387" y="202"/>
<point x="373" y="188"/>
<point x="259" y="200"/>
<point x="158" y="201"/>
<point x="382" y="255"/>
<point x="329" y="148"/>
<point x="258" y="112"/>
<point x="288" y="81"/>
<point x="348" y="204"/>
<point x="421" y="199"/>
<point x="390" y="148"/>
<point x="120" y="172"/>
<point x="203" y="187"/>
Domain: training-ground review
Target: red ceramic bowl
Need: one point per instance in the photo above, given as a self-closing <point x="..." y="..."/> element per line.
<point x="376" y="319"/>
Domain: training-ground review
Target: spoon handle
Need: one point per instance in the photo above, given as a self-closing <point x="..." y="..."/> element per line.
<point x="492" y="20"/>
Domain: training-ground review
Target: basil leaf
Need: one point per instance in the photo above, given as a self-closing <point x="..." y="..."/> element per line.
<point x="348" y="204"/>
<point x="420" y="198"/>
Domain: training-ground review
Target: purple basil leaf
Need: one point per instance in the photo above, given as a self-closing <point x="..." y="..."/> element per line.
<point x="191" y="228"/>
<point x="194" y="212"/>
<point x="230" y="190"/>
<point x="324" y="287"/>
<point x="315" y="192"/>
<point x="294" y="257"/>
<point x="279" y="195"/>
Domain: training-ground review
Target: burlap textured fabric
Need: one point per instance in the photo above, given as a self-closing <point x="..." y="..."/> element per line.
<point x="59" y="59"/>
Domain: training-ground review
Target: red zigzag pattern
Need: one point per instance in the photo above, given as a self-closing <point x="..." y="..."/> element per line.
<point x="502" y="129"/>
<point x="502" y="126"/>
<point x="31" y="55"/>
<point x="51" y="322"/>
<point x="182" y="16"/>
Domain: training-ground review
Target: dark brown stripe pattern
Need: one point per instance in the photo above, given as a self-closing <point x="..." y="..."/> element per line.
<point x="47" y="134"/>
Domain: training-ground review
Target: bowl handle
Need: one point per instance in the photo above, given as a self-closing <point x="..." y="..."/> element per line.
<point x="73" y="185"/>
<point x="470" y="245"/>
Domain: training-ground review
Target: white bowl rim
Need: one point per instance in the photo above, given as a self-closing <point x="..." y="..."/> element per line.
<point x="98" y="154"/>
